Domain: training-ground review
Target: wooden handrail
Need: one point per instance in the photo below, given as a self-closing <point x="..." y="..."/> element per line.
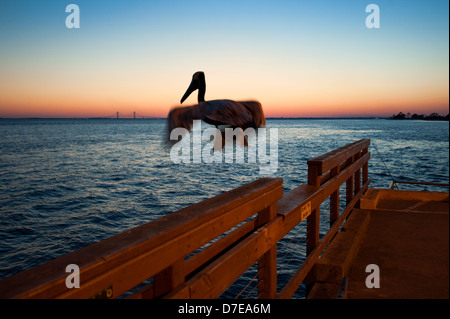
<point x="214" y="279"/>
<point x="199" y="251"/>
<point x="338" y="156"/>
<point x="329" y="167"/>
<point x="310" y="261"/>
<point x="147" y="250"/>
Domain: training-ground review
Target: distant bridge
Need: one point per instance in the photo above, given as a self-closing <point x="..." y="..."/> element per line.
<point x="133" y="115"/>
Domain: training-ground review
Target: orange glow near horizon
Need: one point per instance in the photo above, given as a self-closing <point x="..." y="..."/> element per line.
<point x="304" y="110"/>
<point x="80" y="108"/>
<point x="152" y="98"/>
<point x="296" y="92"/>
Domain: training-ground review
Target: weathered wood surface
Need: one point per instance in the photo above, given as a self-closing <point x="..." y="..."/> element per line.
<point x="212" y="281"/>
<point x="336" y="157"/>
<point x="254" y="217"/>
<point x="300" y="275"/>
<point x="129" y="258"/>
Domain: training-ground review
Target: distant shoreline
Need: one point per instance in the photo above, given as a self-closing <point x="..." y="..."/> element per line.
<point x="163" y="118"/>
<point x="422" y="117"/>
<point x="440" y="119"/>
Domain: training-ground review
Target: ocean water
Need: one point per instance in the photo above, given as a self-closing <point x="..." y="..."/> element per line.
<point x="67" y="183"/>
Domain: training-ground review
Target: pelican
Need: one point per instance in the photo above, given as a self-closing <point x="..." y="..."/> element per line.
<point x="243" y="114"/>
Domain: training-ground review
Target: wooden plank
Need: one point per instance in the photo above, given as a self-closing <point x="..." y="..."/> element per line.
<point x="303" y="194"/>
<point x="201" y="258"/>
<point x="267" y="278"/>
<point x="357" y="182"/>
<point x="365" y="168"/>
<point x="342" y="177"/>
<point x="315" y="170"/>
<point x="219" y="246"/>
<point x="370" y="199"/>
<point x="295" y="199"/>
<point x="48" y="280"/>
<point x="168" y="279"/>
<point x="340" y="154"/>
<point x="337" y="259"/>
<point x="312" y="226"/>
<point x="312" y="239"/>
<point x="314" y="175"/>
<point x="132" y="256"/>
<point x="301" y="273"/>
<point x="214" y="279"/>
<point x="145" y="292"/>
<point x="331" y="159"/>
<point x="349" y="184"/>
<point x="267" y="264"/>
<point x="150" y="263"/>
<point x="334" y="199"/>
<point x="267" y="214"/>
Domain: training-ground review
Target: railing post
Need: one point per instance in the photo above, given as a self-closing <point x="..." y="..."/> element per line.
<point x="267" y="264"/>
<point x="169" y="278"/>
<point x="349" y="184"/>
<point x="312" y="225"/>
<point x="313" y="222"/>
<point x="334" y="199"/>
<point x="365" y="169"/>
<point x="357" y="185"/>
<point x="357" y="175"/>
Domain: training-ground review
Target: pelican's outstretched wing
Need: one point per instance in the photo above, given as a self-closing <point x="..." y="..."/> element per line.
<point x="225" y="112"/>
<point x="180" y="117"/>
<point x="256" y="110"/>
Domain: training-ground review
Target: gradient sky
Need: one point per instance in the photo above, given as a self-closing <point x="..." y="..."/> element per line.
<point x="306" y="58"/>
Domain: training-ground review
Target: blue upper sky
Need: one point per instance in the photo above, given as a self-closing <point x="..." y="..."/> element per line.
<point x="291" y="44"/>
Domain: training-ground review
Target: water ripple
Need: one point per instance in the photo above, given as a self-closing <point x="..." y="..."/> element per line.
<point x="65" y="184"/>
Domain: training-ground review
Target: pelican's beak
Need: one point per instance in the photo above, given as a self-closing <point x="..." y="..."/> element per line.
<point x="192" y="87"/>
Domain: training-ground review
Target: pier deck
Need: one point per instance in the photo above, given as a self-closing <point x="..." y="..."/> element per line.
<point x="408" y="238"/>
<point x="404" y="233"/>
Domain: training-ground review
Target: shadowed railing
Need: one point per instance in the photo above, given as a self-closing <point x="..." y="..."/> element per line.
<point x="326" y="174"/>
<point x="199" y="251"/>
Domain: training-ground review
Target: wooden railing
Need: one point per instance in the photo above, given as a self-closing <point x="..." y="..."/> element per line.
<point x="199" y="251"/>
<point x="326" y="174"/>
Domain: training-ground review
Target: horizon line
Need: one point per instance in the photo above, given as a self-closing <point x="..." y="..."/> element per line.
<point x="162" y="118"/>
<point x="159" y="117"/>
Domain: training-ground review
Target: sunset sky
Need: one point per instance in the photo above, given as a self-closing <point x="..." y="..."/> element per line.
<point x="302" y="58"/>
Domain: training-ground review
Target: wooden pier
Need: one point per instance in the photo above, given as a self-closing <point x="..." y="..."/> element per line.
<point x="405" y="234"/>
<point x="199" y="251"/>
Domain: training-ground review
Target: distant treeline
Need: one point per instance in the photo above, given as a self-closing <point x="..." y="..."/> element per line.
<point x="409" y="116"/>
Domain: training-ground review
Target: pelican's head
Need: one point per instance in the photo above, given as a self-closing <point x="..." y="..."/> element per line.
<point x="198" y="82"/>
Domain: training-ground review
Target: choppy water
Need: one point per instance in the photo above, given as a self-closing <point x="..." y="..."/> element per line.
<point x="65" y="184"/>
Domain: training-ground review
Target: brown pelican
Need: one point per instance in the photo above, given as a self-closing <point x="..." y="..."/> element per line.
<point x="243" y="114"/>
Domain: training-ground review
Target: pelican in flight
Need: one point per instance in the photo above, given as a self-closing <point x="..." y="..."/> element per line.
<point x="243" y="114"/>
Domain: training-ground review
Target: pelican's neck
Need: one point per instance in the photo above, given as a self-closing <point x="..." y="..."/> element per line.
<point x="201" y="96"/>
<point x="201" y="88"/>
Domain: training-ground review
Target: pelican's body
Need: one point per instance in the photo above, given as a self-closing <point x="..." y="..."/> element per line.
<point x="219" y="112"/>
<point x="241" y="114"/>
